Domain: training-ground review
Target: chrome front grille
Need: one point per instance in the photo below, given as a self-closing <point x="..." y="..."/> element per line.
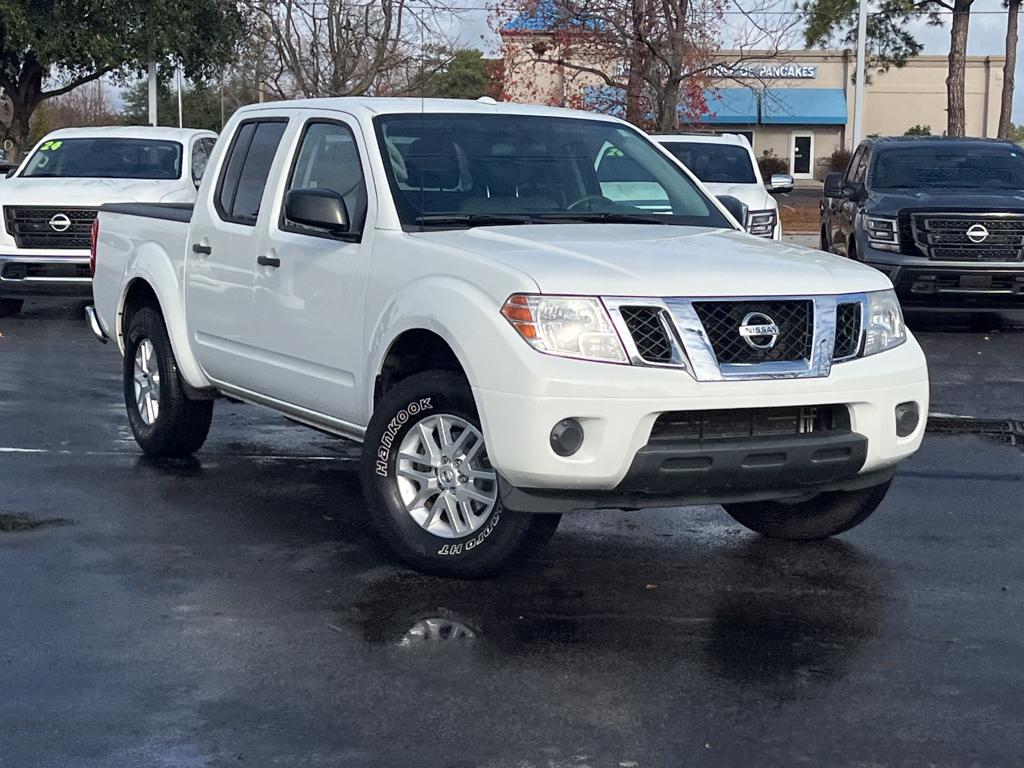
<point x="969" y="237"/>
<point x="49" y="227"/>
<point x="722" y="321"/>
<point x="725" y="339"/>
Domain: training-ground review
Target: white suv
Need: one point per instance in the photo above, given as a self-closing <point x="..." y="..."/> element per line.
<point x="725" y="163"/>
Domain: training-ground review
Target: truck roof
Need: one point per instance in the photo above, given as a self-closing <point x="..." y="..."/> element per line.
<point x="703" y="138"/>
<point x="129" y="132"/>
<point x="884" y="141"/>
<point x="386" y="105"/>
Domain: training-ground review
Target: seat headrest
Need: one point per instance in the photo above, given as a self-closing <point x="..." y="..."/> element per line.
<point x="432" y="163"/>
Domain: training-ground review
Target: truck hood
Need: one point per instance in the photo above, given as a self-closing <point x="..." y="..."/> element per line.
<point x="754" y="196"/>
<point x="891" y="202"/>
<point x="86" y="192"/>
<point x="656" y="260"/>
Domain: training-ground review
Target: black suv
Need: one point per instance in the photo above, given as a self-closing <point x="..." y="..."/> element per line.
<point x="942" y="217"/>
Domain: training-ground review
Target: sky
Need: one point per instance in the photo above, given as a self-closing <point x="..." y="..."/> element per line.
<point x="987" y="37"/>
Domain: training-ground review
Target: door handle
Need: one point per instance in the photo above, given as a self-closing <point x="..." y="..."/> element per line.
<point x="203" y="249"/>
<point x="268" y="261"/>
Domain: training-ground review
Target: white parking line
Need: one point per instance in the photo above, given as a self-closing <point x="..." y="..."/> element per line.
<point x="251" y="456"/>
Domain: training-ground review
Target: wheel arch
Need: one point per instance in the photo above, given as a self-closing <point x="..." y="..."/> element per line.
<point x="151" y="279"/>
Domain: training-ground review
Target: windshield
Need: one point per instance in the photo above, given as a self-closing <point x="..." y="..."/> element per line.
<point x="102" y="158"/>
<point x="714" y="163"/>
<point x="460" y="170"/>
<point x="974" y="167"/>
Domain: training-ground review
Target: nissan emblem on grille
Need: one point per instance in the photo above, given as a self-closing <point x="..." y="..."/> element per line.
<point x="60" y="223"/>
<point x="759" y="330"/>
<point x="977" y="233"/>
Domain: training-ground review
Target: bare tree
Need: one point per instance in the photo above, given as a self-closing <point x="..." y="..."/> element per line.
<point x="654" y="58"/>
<point x="87" y="105"/>
<point x="1006" y="106"/>
<point x="311" y="48"/>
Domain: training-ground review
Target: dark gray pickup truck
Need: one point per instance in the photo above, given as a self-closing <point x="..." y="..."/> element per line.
<point x="942" y="217"/>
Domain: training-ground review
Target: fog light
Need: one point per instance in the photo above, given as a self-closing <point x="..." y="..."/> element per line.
<point x="908" y="415"/>
<point x="566" y="437"/>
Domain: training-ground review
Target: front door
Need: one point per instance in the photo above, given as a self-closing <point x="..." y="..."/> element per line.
<point x="802" y="153"/>
<point x="309" y="304"/>
<point x="221" y="253"/>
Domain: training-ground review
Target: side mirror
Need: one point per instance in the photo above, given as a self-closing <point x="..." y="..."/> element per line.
<point x="780" y="182"/>
<point x="833" y="185"/>
<point x="11" y="172"/>
<point x="736" y="208"/>
<point x="319" y="208"/>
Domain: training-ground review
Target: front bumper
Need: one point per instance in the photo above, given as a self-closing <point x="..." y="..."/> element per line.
<point x="617" y="407"/>
<point x="45" y="275"/>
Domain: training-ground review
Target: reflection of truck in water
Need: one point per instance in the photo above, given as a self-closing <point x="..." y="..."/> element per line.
<point x="50" y="201"/>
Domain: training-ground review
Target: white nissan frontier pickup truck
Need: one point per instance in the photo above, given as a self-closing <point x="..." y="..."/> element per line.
<point x="520" y="312"/>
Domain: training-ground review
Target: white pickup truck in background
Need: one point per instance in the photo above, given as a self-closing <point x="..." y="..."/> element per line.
<point x="476" y="292"/>
<point x="49" y="201"/>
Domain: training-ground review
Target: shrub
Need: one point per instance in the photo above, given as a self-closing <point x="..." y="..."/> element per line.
<point x="770" y="163"/>
<point x="918" y="130"/>
<point x="839" y="159"/>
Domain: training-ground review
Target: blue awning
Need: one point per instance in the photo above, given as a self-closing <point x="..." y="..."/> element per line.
<point x="731" y="106"/>
<point x="803" y="106"/>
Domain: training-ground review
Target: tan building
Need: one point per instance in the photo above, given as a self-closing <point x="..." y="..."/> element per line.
<point x="797" y="104"/>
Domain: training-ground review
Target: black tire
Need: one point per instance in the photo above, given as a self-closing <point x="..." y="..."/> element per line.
<point x="820" y="517"/>
<point x="543" y="527"/>
<point x="851" y="251"/>
<point x="481" y="553"/>
<point x="823" y="240"/>
<point x="181" y="425"/>
<point x="10" y="307"/>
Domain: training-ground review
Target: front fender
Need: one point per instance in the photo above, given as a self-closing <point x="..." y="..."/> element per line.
<point x="454" y="309"/>
<point x="152" y="264"/>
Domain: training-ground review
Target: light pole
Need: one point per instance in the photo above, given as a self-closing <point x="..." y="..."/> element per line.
<point x="858" y="87"/>
<point x="152" y="93"/>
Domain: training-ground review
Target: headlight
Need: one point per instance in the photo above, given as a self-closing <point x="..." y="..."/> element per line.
<point x="883" y="233"/>
<point x="762" y="223"/>
<point x="885" y="328"/>
<point x="570" y="326"/>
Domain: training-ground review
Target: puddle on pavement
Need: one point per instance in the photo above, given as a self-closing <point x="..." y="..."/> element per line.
<point x="22" y="523"/>
<point x="762" y="613"/>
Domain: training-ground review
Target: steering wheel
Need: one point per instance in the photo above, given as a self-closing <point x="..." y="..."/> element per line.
<point x="589" y="199"/>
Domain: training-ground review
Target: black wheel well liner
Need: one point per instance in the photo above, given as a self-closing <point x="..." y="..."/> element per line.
<point x="414" y="351"/>
<point x="139" y="294"/>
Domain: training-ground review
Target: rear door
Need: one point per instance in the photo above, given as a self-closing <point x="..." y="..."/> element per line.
<point x="224" y="242"/>
<point x="848" y="208"/>
<point x="309" y="295"/>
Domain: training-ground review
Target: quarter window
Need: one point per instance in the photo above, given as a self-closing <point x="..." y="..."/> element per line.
<point x="245" y="175"/>
<point x="201" y="150"/>
<point x="328" y="158"/>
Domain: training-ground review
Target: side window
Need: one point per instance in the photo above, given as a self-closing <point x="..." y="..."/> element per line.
<point x="328" y="158"/>
<point x="245" y="175"/>
<point x="861" y="171"/>
<point x="858" y="164"/>
<point x="201" y="149"/>
<point x="623" y="180"/>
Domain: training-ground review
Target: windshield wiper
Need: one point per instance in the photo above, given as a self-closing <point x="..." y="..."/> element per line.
<point x="471" y="219"/>
<point x="606" y="217"/>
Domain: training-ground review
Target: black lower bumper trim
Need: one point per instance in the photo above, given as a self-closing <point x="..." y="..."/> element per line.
<point x="717" y="471"/>
<point x="958" y="287"/>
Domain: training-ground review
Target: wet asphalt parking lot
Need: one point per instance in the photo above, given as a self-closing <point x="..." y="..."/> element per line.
<point x="233" y="610"/>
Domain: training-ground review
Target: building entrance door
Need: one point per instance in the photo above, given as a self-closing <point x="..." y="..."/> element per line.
<point x="802" y="155"/>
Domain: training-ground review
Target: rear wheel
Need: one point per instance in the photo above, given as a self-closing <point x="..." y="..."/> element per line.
<point x="430" y="489"/>
<point x="164" y="421"/>
<point x="824" y="515"/>
<point x="10" y="307"/>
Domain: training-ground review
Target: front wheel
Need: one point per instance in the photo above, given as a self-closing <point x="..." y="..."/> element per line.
<point x="431" y="492"/>
<point x="824" y="515"/>
<point x="10" y="307"/>
<point x="164" y="420"/>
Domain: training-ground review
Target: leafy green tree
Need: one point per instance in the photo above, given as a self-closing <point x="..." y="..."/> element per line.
<point x="202" y="104"/>
<point x="918" y="130"/>
<point x="50" y="47"/>
<point x="465" y="76"/>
